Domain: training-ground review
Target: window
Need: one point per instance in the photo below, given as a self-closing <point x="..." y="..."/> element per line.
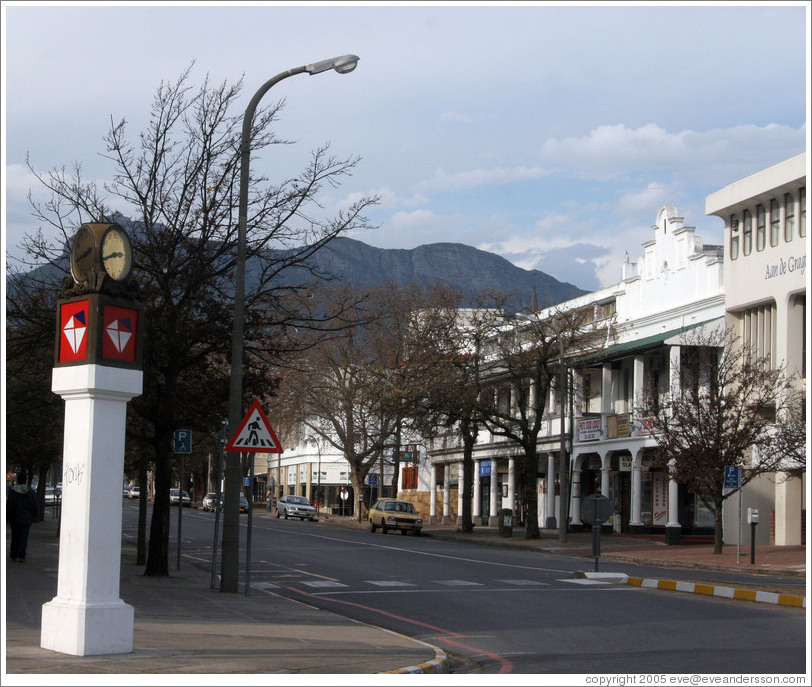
<point x="802" y="222"/>
<point x="734" y="237"/>
<point x="789" y="218"/>
<point x="747" y="233"/>
<point x="758" y="331"/>
<point x="761" y="226"/>
<point x="775" y="222"/>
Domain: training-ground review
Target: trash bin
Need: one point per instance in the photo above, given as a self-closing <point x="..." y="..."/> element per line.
<point x="506" y="522"/>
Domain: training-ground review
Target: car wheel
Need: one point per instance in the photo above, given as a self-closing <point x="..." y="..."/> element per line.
<point x="384" y="528"/>
<point x="372" y="527"/>
<point x="403" y="531"/>
<point x="277" y="512"/>
<point x="417" y="532"/>
<point x="286" y="515"/>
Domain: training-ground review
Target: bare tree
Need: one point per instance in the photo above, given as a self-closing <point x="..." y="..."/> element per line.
<point x="181" y="178"/>
<point x="523" y="358"/>
<point x="720" y="408"/>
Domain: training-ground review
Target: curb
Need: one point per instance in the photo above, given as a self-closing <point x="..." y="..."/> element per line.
<point x="720" y="591"/>
<point x="437" y="665"/>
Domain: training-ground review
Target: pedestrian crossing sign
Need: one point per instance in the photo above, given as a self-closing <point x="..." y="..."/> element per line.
<point x="255" y="434"/>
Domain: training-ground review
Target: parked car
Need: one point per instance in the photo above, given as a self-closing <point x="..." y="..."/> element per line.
<point x="174" y="497"/>
<point x="295" y="507"/>
<point x="209" y="501"/>
<point x="394" y="514"/>
<point x="51" y="497"/>
<point x="135" y="492"/>
<point x="126" y="491"/>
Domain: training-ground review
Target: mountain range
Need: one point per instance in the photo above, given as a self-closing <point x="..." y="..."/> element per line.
<point x="468" y="269"/>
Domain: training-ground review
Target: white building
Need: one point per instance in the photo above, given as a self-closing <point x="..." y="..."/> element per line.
<point x="675" y="285"/>
<point x="765" y="295"/>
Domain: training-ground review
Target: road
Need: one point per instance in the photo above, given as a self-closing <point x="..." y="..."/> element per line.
<point x="496" y="610"/>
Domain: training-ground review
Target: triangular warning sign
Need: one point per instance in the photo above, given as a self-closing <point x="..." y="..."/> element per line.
<point x="255" y="434"/>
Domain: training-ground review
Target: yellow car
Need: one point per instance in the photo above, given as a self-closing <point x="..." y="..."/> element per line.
<point x="394" y="514"/>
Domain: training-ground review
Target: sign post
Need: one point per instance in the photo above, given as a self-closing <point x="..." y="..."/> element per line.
<point x="254" y="435"/>
<point x="182" y="445"/>
<point x="733" y="480"/>
<point x="596" y="510"/>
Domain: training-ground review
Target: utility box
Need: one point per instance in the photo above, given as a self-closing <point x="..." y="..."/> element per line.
<point x="506" y="522"/>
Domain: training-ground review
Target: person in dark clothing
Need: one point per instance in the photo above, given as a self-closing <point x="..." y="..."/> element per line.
<point x="22" y="510"/>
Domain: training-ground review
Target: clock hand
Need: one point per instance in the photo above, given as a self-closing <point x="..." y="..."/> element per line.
<point x="85" y="254"/>
<point x="119" y="254"/>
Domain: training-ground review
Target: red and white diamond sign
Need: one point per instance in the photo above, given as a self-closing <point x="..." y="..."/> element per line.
<point x="73" y="318"/>
<point x="119" y="333"/>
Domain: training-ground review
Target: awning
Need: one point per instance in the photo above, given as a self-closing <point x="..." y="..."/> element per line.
<point x="621" y="350"/>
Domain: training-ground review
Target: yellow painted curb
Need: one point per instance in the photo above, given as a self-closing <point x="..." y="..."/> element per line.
<point x="720" y="591"/>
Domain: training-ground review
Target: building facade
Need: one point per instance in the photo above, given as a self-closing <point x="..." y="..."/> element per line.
<point x="766" y="245"/>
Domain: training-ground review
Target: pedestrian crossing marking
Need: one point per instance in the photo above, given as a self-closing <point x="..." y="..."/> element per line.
<point x="526" y="583"/>
<point x="459" y="583"/>
<point x="322" y="584"/>
<point x="255" y="434"/>
<point x="390" y="583"/>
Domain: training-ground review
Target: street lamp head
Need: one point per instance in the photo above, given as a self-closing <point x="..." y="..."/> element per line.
<point x="343" y="65"/>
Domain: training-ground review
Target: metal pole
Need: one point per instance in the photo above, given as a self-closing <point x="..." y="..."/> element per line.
<point x="180" y="505"/>
<point x="739" y="542"/>
<point x="563" y="467"/>
<point x="217" y="505"/>
<point x="231" y="522"/>
<point x="250" y="514"/>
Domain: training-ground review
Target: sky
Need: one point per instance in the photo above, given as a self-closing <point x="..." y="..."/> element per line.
<point x="547" y="133"/>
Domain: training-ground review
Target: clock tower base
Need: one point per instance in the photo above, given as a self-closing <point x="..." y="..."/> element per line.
<point x="87" y="617"/>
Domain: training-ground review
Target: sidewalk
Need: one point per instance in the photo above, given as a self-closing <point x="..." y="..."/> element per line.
<point x="182" y="626"/>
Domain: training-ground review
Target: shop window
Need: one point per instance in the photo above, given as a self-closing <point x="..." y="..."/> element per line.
<point x="761" y="227"/>
<point x="734" y="237"/>
<point x="802" y="213"/>
<point x="775" y="222"/>
<point x="747" y="233"/>
<point x="789" y="217"/>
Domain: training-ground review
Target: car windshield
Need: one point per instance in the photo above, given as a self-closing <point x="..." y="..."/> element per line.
<point x="301" y="500"/>
<point x="400" y="506"/>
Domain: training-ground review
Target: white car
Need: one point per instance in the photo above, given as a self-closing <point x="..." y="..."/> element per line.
<point x="295" y="507"/>
<point x="174" y="497"/>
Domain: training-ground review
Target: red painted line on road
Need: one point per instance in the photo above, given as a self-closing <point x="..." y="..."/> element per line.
<point x="505" y="665"/>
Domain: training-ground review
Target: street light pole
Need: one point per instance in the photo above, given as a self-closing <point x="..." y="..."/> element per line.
<point x="229" y="580"/>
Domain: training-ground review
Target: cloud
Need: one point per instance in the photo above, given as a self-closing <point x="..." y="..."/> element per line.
<point x="610" y="151"/>
<point x="473" y="178"/>
<point x="455" y="117"/>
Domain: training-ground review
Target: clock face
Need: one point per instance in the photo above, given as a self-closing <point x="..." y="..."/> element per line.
<point x="83" y="254"/>
<point x="116" y="253"/>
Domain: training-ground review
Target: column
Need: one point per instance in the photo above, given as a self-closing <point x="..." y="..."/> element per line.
<point x="575" y="508"/>
<point x="511" y="477"/>
<point x="433" y="496"/>
<point x="476" y="506"/>
<point x="446" y="495"/>
<point x="551" y="522"/>
<point x="309" y="482"/>
<point x="493" y="518"/>
<point x="673" y="529"/>
<point x="636" y="522"/>
<point x="605" y="470"/>
<point x="87" y="617"/>
<point x="460" y="480"/>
